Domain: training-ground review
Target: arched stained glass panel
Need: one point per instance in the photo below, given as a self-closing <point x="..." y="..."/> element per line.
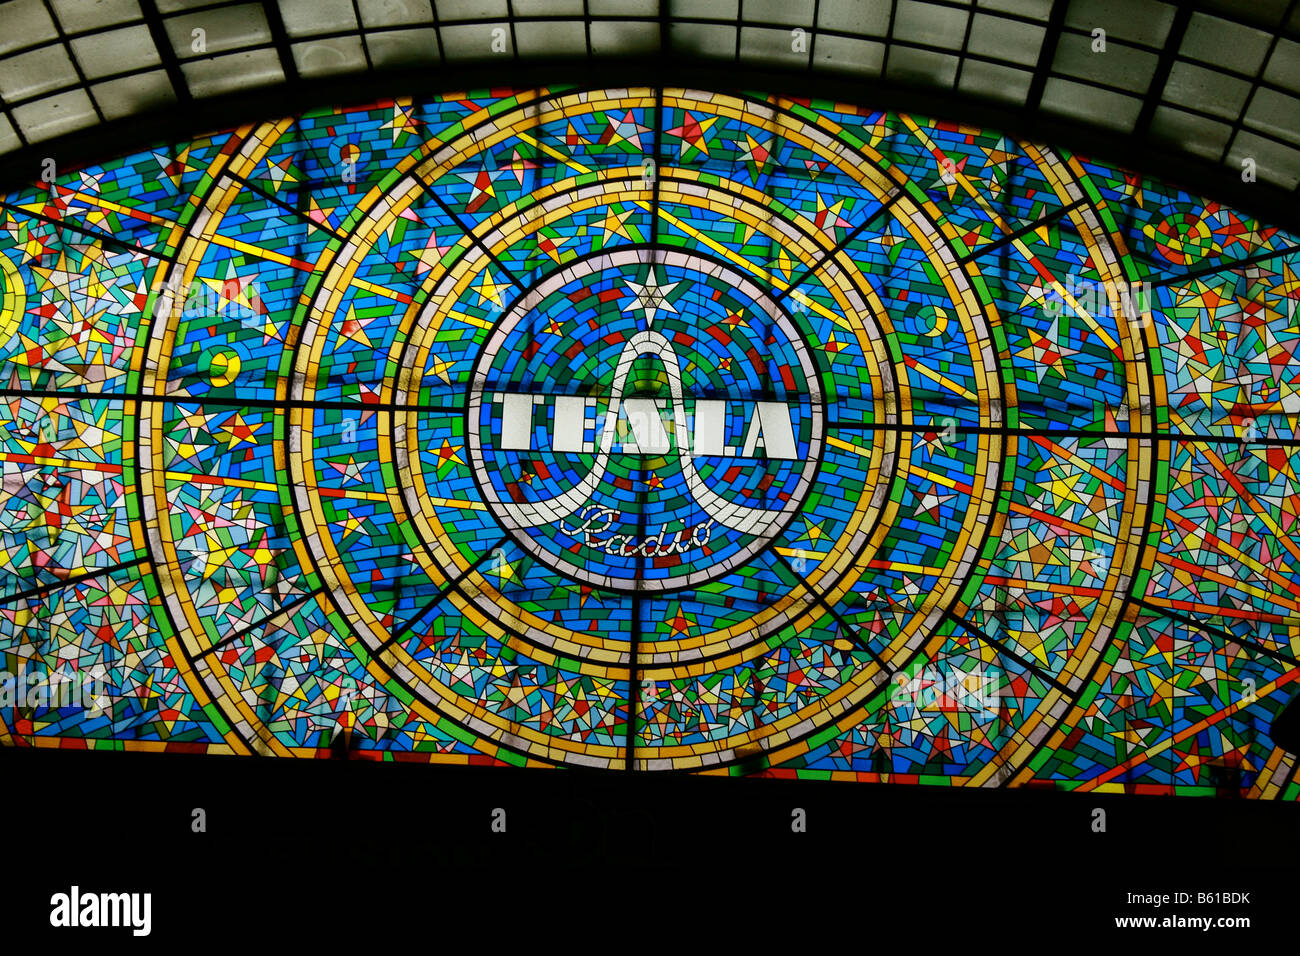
<point x="664" y="428"/>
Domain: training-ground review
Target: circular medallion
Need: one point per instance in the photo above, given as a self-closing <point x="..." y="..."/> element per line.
<point x="647" y="420"/>
<point x="599" y="458"/>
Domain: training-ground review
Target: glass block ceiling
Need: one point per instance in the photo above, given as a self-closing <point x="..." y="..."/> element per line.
<point x="1213" y="80"/>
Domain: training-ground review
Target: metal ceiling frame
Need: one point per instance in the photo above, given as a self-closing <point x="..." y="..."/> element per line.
<point x="189" y="116"/>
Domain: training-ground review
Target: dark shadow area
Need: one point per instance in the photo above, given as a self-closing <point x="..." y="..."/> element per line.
<point x="293" y="846"/>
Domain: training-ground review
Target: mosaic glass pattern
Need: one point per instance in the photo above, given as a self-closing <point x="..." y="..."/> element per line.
<point x="726" y="433"/>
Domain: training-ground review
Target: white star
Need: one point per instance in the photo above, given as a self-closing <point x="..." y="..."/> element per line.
<point x="650" y="298"/>
<point x="89" y="183"/>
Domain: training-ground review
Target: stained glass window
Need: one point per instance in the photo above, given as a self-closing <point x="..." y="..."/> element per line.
<point x="645" y="428"/>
